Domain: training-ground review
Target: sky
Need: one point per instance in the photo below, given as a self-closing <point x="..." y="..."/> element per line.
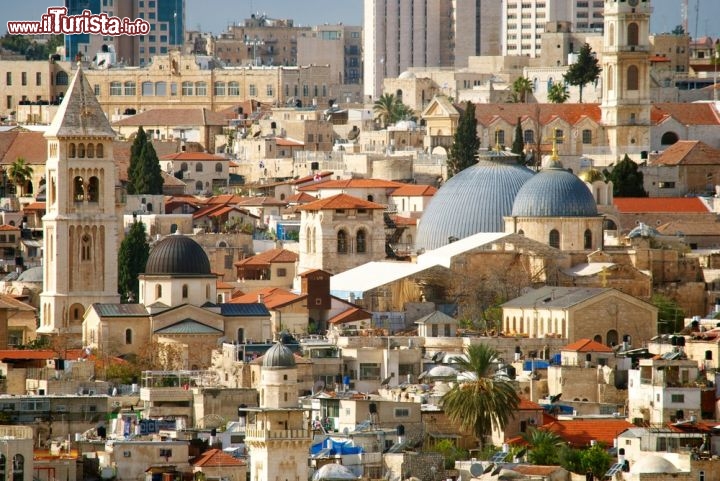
<point x="216" y="15"/>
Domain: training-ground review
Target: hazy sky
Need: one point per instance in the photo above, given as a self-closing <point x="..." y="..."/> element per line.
<point x="216" y="15"/>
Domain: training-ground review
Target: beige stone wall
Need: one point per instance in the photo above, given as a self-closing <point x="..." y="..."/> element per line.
<point x="571" y="229"/>
<point x="614" y="312"/>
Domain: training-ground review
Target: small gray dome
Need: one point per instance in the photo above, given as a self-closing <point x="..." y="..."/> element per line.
<point x="34" y="274"/>
<point x="333" y="472"/>
<point x="279" y="356"/>
<point x="474" y="200"/>
<point x="554" y="192"/>
<point x="177" y="255"/>
<point x="653" y="465"/>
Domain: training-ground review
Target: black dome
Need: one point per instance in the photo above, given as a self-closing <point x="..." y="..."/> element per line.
<point x="177" y="255"/>
<point x="279" y="356"/>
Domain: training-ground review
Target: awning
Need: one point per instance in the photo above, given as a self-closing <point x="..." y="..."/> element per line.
<point x="32" y="243"/>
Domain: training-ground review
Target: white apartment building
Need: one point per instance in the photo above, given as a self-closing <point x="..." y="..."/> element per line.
<point x="524" y="21"/>
<point x="400" y="34"/>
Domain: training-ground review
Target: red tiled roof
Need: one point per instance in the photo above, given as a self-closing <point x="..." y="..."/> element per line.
<point x="351" y="315"/>
<point x="31" y="146"/>
<point x="352" y="184"/>
<point x="311" y="177"/>
<point x="301" y="198"/>
<point x="684" y="113"/>
<point x="261" y="201"/>
<point x="579" y="432"/>
<point x="26" y="354"/>
<point x="272" y="297"/>
<point x="216" y="458"/>
<point x="223" y="285"/>
<point x="285" y="142"/>
<point x="688" y="152"/>
<point x="174" y="117"/>
<point x="192" y="156"/>
<point x="273" y="256"/>
<point x="586" y="345"/>
<point x="486" y="114"/>
<point x="660" y="204"/>
<point x="412" y="190"/>
<point x="35" y="206"/>
<point x="341" y="201"/>
<point x="528" y="405"/>
<point x="709" y="228"/>
<point x="404" y="220"/>
<point x="8" y="227"/>
<point x="658" y="58"/>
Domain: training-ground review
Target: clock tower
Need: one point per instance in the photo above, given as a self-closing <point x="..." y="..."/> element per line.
<point x="81" y="223"/>
<point x="626" y="77"/>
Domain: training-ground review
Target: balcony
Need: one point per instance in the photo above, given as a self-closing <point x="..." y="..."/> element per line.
<point x="263" y="435"/>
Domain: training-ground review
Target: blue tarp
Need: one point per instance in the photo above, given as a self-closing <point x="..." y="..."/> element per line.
<point x="335" y="447"/>
<point x="536" y="364"/>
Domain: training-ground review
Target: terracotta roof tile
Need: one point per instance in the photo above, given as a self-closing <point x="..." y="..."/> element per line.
<point x="528" y="405"/>
<point x="341" y="201"/>
<point x="586" y="345"/>
<point x="189" y="117"/>
<point x="312" y="177"/>
<point x="301" y="198"/>
<point x="193" y="156"/>
<point x="352" y="184"/>
<point x="486" y="114"/>
<point x="26" y="354"/>
<point x="285" y="142"/>
<point x="660" y="204"/>
<point x="272" y="297"/>
<point x="6" y="227"/>
<point x="412" y="190"/>
<point x="709" y="228"/>
<point x="216" y="458"/>
<point x="351" y="315"/>
<point x="684" y="113"/>
<point x="688" y="152"/>
<point x="579" y="432"/>
<point x="35" y="206"/>
<point x="272" y="256"/>
<point x="32" y="146"/>
<point x="404" y="220"/>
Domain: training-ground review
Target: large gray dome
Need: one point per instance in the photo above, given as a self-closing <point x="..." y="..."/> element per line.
<point x="279" y="356"/>
<point x="475" y="200"/>
<point x="554" y="192"/>
<point x="177" y="255"/>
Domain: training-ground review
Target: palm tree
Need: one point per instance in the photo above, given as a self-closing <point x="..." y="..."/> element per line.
<point x="544" y="447"/>
<point x="521" y="88"/>
<point x="558" y="93"/>
<point x="386" y="109"/>
<point x="19" y="173"/>
<point x="479" y="401"/>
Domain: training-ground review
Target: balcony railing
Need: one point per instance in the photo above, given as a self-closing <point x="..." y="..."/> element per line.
<point x="265" y="434"/>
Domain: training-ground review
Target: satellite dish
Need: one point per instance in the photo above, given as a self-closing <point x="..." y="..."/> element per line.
<point x="346" y="431"/>
<point x="354" y="133"/>
<point x="476" y="469"/>
<point x="319" y="385"/>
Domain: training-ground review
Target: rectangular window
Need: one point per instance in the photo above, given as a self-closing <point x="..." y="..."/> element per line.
<point x="8" y="78"/>
<point x="9" y="102"/>
<point x="165" y="453"/>
<point x="269" y="90"/>
<point x="402" y="413"/>
<point x="38" y="78"/>
<point x="677" y="398"/>
<point x="587" y="136"/>
<point x="282" y="272"/>
<point x="23" y="78"/>
<point x="666" y="185"/>
<point x="115" y="88"/>
<point x="252" y="90"/>
<point x="369" y="371"/>
<point x="96" y="90"/>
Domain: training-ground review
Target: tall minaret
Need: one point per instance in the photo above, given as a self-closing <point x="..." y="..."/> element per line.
<point x="626" y="76"/>
<point x="279" y="439"/>
<point x="81" y="224"/>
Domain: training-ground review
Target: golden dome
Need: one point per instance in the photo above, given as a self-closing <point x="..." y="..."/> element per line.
<point x="591" y="175"/>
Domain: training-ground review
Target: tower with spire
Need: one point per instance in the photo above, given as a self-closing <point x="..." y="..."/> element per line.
<point x="82" y="221"/>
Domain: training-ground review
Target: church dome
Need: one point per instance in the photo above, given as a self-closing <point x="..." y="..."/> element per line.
<point x="333" y="472"/>
<point x="554" y="192"/>
<point x="177" y="255"/>
<point x="279" y="356"/>
<point x="653" y="465"/>
<point x="474" y="200"/>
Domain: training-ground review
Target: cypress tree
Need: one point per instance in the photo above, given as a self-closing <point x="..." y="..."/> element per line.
<point x="135" y="158"/>
<point x="132" y="257"/>
<point x="518" y="145"/>
<point x="465" y="142"/>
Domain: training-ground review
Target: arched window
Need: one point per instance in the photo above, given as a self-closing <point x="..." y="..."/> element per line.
<point x="521" y="232"/>
<point x="130" y="88"/>
<point x="90" y="151"/>
<point x="612" y="338"/>
<point x="587" y="239"/>
<point x="115" y="88"/>
<point x="554" y="239"/>
<point x="218" y="167"/>
<point x="99" y="151"/>
<point x="610" y="78"/>
<point x="200" y="88"/>
<point x="308" y="241"/>
<point x="187" y="88"/>
<point x="669" y="138"/>
<point x="633" y="34"/>
<point x="93" y="192"/>
<point x="81" y="151"/>
<point x="342" y="247"/>
<point x="147" y="89"/>
<point x="198" y="167"/>
<point x="370" y="198"/>
<point x="632" y="78"/>
<point x="71" y="150"/>
<point x="86" y="248"/>
<point x="360" y="242"/>
<point x="398" y="95"/>
<point x="78" y="189"/>
<point x="611" y="34"/>
<point x="61" y="78"/>
<point x="233" y="89"/>
<point x="199" y="186"/>
<point x="207" y="291"/>
<point x="240" y="335"/>
<point x="160" y="89"/>
<point x="598" y="338"/>
<point x="128" y="336"/>
<point x="3" y="467"/>
<point x="184" y="291"/>
<point x="158" y="291"/>
<point x="76" y="312"/>
<point x="184" y="167"/>
<point x="219" y="88"/>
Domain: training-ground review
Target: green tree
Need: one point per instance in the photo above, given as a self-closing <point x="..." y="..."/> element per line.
<point x="585" y="70"/>
<point x="678" y="30"/>
<point x="627" y="179"/>
<point x="670" y="315"/>
<point x="521" y="88"/>
<point x="518" y="145"/>
<point x="132" y="257"/>
<point x="597" y="460"/>
<point x="465" y="142"/>
<point x="135" y="158"/>
<point x="558" y="93"/>
<point x="544" y="447"/>
<point x="390" y="109"/>
<point x="20" y="172"/>
<point x="480" y="402"/>
<point x="450" y="452"/>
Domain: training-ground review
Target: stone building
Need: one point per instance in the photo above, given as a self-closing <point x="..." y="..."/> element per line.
<point x="80" y="229"/>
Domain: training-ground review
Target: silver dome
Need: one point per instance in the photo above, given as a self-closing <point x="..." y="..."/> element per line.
<point x="278" y="356"/>
<point x="554" y="192"/>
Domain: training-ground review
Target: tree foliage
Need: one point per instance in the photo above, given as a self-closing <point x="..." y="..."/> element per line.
<point x="480" y="402"/>
<point x="20" y="172"/>
<point x="465" y="142"/>
<point x="544" y="447"/>
<point x="518" y="145"/>
<point x="450" y="452"/>
<point x="144" y="173"/>
<point x="522" y="87"/>
<point x="558" y="93"/>
<point x="585" y="70"/>
<point x="132" y="257"/>
<point x="671" y="316"/>
<point x="390" y="109"/>
<point x="30" y="47"/>
<point x="627" y="179"/>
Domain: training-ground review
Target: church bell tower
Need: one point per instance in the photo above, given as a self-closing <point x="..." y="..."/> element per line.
<point x="626" y="77"/>
<point x="81" y="223"/>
